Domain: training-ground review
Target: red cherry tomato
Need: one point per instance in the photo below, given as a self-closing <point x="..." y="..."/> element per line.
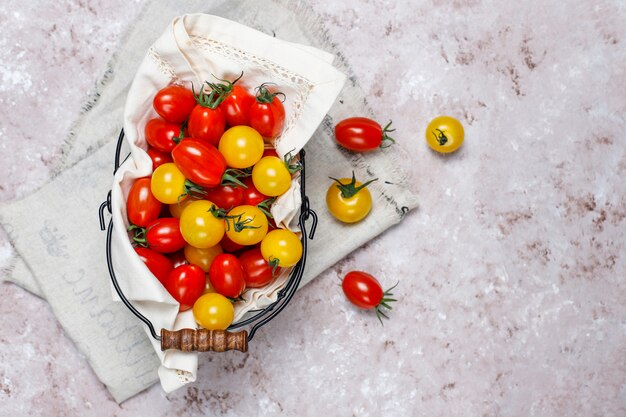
<point x="225" y="196"/>
<point x="267" y="114"/>
<point x="158" y="158"/>
<point x="207" y="123"/>
<point x="226" y="275"/>
<point x="199" y="162"/>
<point x="158" y="264"/>
<point x="237" y="105"/>
<point x="361" y="134"/>
<point x="228" y="245"/>
<point x="364" y="291"/>
<point x="178" y="258"/>
<point x="141" y="206"/>
<point x="174" y="103"/>
<point x="163" y="235"/>
<point x="160" y="134"/>
<point x="257" y="272"/>
<point x="186" y="284"/>
<point x="252" y="196"/>
<point x="270" y="152"/>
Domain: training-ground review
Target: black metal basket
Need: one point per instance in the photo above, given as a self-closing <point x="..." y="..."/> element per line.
<point x="217" y="340"/>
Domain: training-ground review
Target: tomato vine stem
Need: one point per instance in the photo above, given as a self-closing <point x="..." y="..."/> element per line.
<point x="386" y="137"/>
<point x="440" y="136"/>
<point x="264" y="95"/>
<point x="384" y="302"/>
<point x="350" y="189"/>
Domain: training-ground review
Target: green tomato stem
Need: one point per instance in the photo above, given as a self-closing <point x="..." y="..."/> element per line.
<point x="350" y="190"/>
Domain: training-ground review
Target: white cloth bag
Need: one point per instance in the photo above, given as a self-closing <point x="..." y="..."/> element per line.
<point x="195" y="48"/>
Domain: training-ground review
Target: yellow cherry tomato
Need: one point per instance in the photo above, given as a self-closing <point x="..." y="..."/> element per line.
<point x="168" y="184"/>
<point x="246" y="225"/>
<point x="445" y="134"/>
<point x="202" y="257"/>
<point x="242" y="146"/>
<point x="282" y="248"/>
<point x="176" y="209"/>
<point x="271" y="176"/>
<point x="199" y="227"/>
<point x="349" y="200"/>
<point x="213" y="311"/>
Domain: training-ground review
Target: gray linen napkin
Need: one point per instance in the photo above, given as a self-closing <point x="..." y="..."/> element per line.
<point x="60" y="253"/>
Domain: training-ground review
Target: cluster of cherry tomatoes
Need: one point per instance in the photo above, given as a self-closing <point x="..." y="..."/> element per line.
<point x="202" y="221"/>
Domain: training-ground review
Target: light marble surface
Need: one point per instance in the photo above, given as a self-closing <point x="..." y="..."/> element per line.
<point x="512" y="271"/>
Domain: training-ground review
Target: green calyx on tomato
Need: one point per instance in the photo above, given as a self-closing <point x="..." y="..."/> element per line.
<point x="210" y="100"/>
<point x="238" y="224"/>
<point x="350" y="189"/>
<point x="264" y="96"/>
<point x="231" y="177"/>
<point x="386" y="137"/>
<point x="274" y="264"/>
<point x="440" y="137"/>
<point x="292" y="166"/>
<point x="266" y="205"/>
<point x="226" y="87"/>
<point x="384" y="302"/>
<point x="192" y="189"/>
<point x="139" y="235"/>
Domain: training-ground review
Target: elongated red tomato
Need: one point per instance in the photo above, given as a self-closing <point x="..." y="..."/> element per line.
<point x="141" y="206"/>
<point x="252" y="196"/>
<point x="267" y="113"/>
<point x="158" y="264"/>
<point x="163" y="235"/>
<point x="361" y="134"/>
<point x="225" y="196"/>
<point x="237" y="105"/>
<point x="186" y="284"/>
<point x="160" y="134"/>
<point x="207" y="120"/>
<point x="364" y="291"/>
<point x="174" y="103"/>
<point x="199" y="162"/>
<point x="226" y="275"/>
<point x="158" y="158"/>
<point x="257" y="271"/>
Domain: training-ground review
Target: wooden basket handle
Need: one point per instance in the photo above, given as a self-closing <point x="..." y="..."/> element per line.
<point x="202" y="340"/>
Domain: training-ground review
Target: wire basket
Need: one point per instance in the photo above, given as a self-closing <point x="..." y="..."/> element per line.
<point x="202" y="340"/>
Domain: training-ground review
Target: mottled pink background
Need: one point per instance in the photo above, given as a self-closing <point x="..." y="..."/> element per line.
<point x="512" y="271"/>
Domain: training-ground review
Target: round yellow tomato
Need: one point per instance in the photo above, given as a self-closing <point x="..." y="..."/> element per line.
<point x="168" y="184"/>
<point x="282" y="248"/>
<point x="242" y="146"/>
<point x="213" y="311"/>
<point x="246" y="225"/>
<point x="202" y="257"/>
<point x="199" y="227"/>
<point x="349" y="200"/>
<point x="445" y="134"/>
<point x="271" y="176"/>
<point x="176" y="209"/>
